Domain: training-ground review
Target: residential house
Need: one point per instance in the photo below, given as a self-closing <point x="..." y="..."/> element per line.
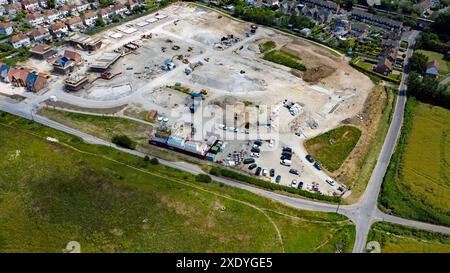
<point x="40" y="35"/>
<point x="89" y="18"/>
<point x="51" y="15"/>
<point x="6" y="28"/>
<point x="317" y="14"/>
<point x="332" y="6"/>
<point x="74" y="23"/>
<point x="42" y="51"/>
<point x="4" y="69"/>
<point x="20" y="40"/>
<point x="58" y="29"/>
<point x="83" y="7"/>
<point x="43" y="4"/>
<point x="375" y="20"/>
<point x="359" y="30"/>
<point x="341" y="26"/>
<point x="35" y="82"/>
<point x="131" y="4"/>
<point x="120" y="9"/>
<point x="35" y="19"/>
<point x="30" y="5"/>
<point x="3" y="10"/>
<point x="18" y="76"/>
<point x="73" y="56"/>
<point x="384" y="66"/>
<point x="3" y="2"/>
<point x="432" y="69"/>
<point x="391" y="39"/>
<point x="65" y="10"/>
<point x="105" y="14"/>
<point x="12" y="9"/>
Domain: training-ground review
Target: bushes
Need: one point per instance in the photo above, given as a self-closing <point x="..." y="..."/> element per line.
<point x="204" y="178"/>
<point x="284" y="58"/>
<point x="154" y="161"/>
<point x="123" y="141"/>
<point x="217" y="171"/>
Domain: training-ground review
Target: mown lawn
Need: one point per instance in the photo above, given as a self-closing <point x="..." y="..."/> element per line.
<point x="286" y="59"/>
<point x="399" y="239"/>
<point x="417" y="184"/>
<point x="332" y="148"/>
<point x="109" y="201"/>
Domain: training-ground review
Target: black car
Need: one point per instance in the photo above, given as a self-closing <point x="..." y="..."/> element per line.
<point x="272" y="172"/>
<point x="294" y="171"/>
<point x="287" y="149"/>
<point x="286" y="153"/>
<point x="287" y="157"/>
<point x="309" y="158"/>
<point x="255" y="150"/>
<point x="258" y="142"/>
<point x="318" y="166"/>
<point x="258" y="171"/>
<point x="252" y="166"/>
<point x="249" y="160"/>
<point x="300" y="185"/>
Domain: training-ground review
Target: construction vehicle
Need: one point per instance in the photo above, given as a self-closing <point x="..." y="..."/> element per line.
<point x="204" y="92"/>
<point x="163" y="49"/>
<point x="253" y="28"/>
<point x="178" y="57"/>
<point x="206" y="59"/>
<point x="189" y="49"/>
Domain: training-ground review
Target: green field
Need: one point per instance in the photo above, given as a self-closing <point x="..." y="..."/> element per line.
<point x="444" y="66"/>
<point x="109" y="201"/>
<point x="286" y="59"/>
<point x="399" y="239"/>
<point x="417" y="184"/>
<point x="332" y="148"/>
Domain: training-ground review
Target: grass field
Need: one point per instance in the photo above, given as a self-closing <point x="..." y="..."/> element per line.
<point x="283" y="58"/>
<point x="266" y="46"/>
<point x="444" y="66"/>
<point x="333" y="147"/>
<point x="399" y="239"/>
<point x="417" y="184"/>
<point x="109" y="201"/>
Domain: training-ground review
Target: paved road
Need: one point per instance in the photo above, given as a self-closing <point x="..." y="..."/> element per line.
<point x="363" y="214"/>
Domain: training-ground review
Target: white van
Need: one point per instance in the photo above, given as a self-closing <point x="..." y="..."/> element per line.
<point x="285" y="162"/>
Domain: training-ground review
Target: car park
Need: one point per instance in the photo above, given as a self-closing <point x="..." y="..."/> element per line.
<point x="318" y="166"/>
<point x="294" y="171"/>
<point x="258" y="171"/>
<point x="309" y="158"/>
<point x="272" y="172"/>
<point x="252" y="166"/>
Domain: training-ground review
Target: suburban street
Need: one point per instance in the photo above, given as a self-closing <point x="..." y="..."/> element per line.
<point x="363" y="213"/>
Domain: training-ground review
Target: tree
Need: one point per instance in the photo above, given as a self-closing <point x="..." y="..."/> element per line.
<point x="51" y="4"/>
<point x="203" y="178"/>
<point x="418" y="62"/>
<point x="441" y="25"/>
<point x="123" y="141"/>
<point x="99" y="22"/>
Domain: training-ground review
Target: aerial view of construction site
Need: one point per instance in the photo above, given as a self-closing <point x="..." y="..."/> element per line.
<point x="208" y="115"/>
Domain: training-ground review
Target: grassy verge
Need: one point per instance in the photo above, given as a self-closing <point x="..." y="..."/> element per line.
<point x="367" y="164"/>
<point x="270" y="186"/>
<point x="399" y="239"/>
<point x="333" y="147"/>
<point x="109" y="201"/>
<point x="100" y="126"/>
<point x="416" y="184"/>
<point x="283" y="58"/>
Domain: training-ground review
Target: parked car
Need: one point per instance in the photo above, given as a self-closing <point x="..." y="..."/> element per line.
<point x="330" y="182"/>
<point x="294" y="183"/>
<point x="272" y="172"/>
<point x="257" y="142"/>
<point x="286" y="162"/>
<point x="249" y="160"/>
<point x="252" y="166"/>
<point x="294" y="171"/>
<point x="287" y="149"/>
<point x="254" y="154"/>
<point x="265" y="172"/>
<point x="286" y="153"/>
<point x="300" y="185"/>
<point x="318" y="166"/>
<point x="271" y="143"/>
<point x="255" y="150"/>
<point x="258" y="171"/>
<point x="278" y="179"/>
<point x="309" y="158"/>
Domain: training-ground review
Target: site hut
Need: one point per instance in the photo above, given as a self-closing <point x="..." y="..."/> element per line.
<point x="42" y="51"/>
<point x="75" y="82"/>
<point x="6" y="28"/>
<point x="20" y="40"/>
<point x="85" y="42"/>
<point x="40" y="35"/>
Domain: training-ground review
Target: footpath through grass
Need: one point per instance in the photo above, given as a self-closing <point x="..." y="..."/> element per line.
<point x="333" y="147"/>
<point x="109" y="201"/>
<point x="400" y="239"/>
<point x="417" y="183"/>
